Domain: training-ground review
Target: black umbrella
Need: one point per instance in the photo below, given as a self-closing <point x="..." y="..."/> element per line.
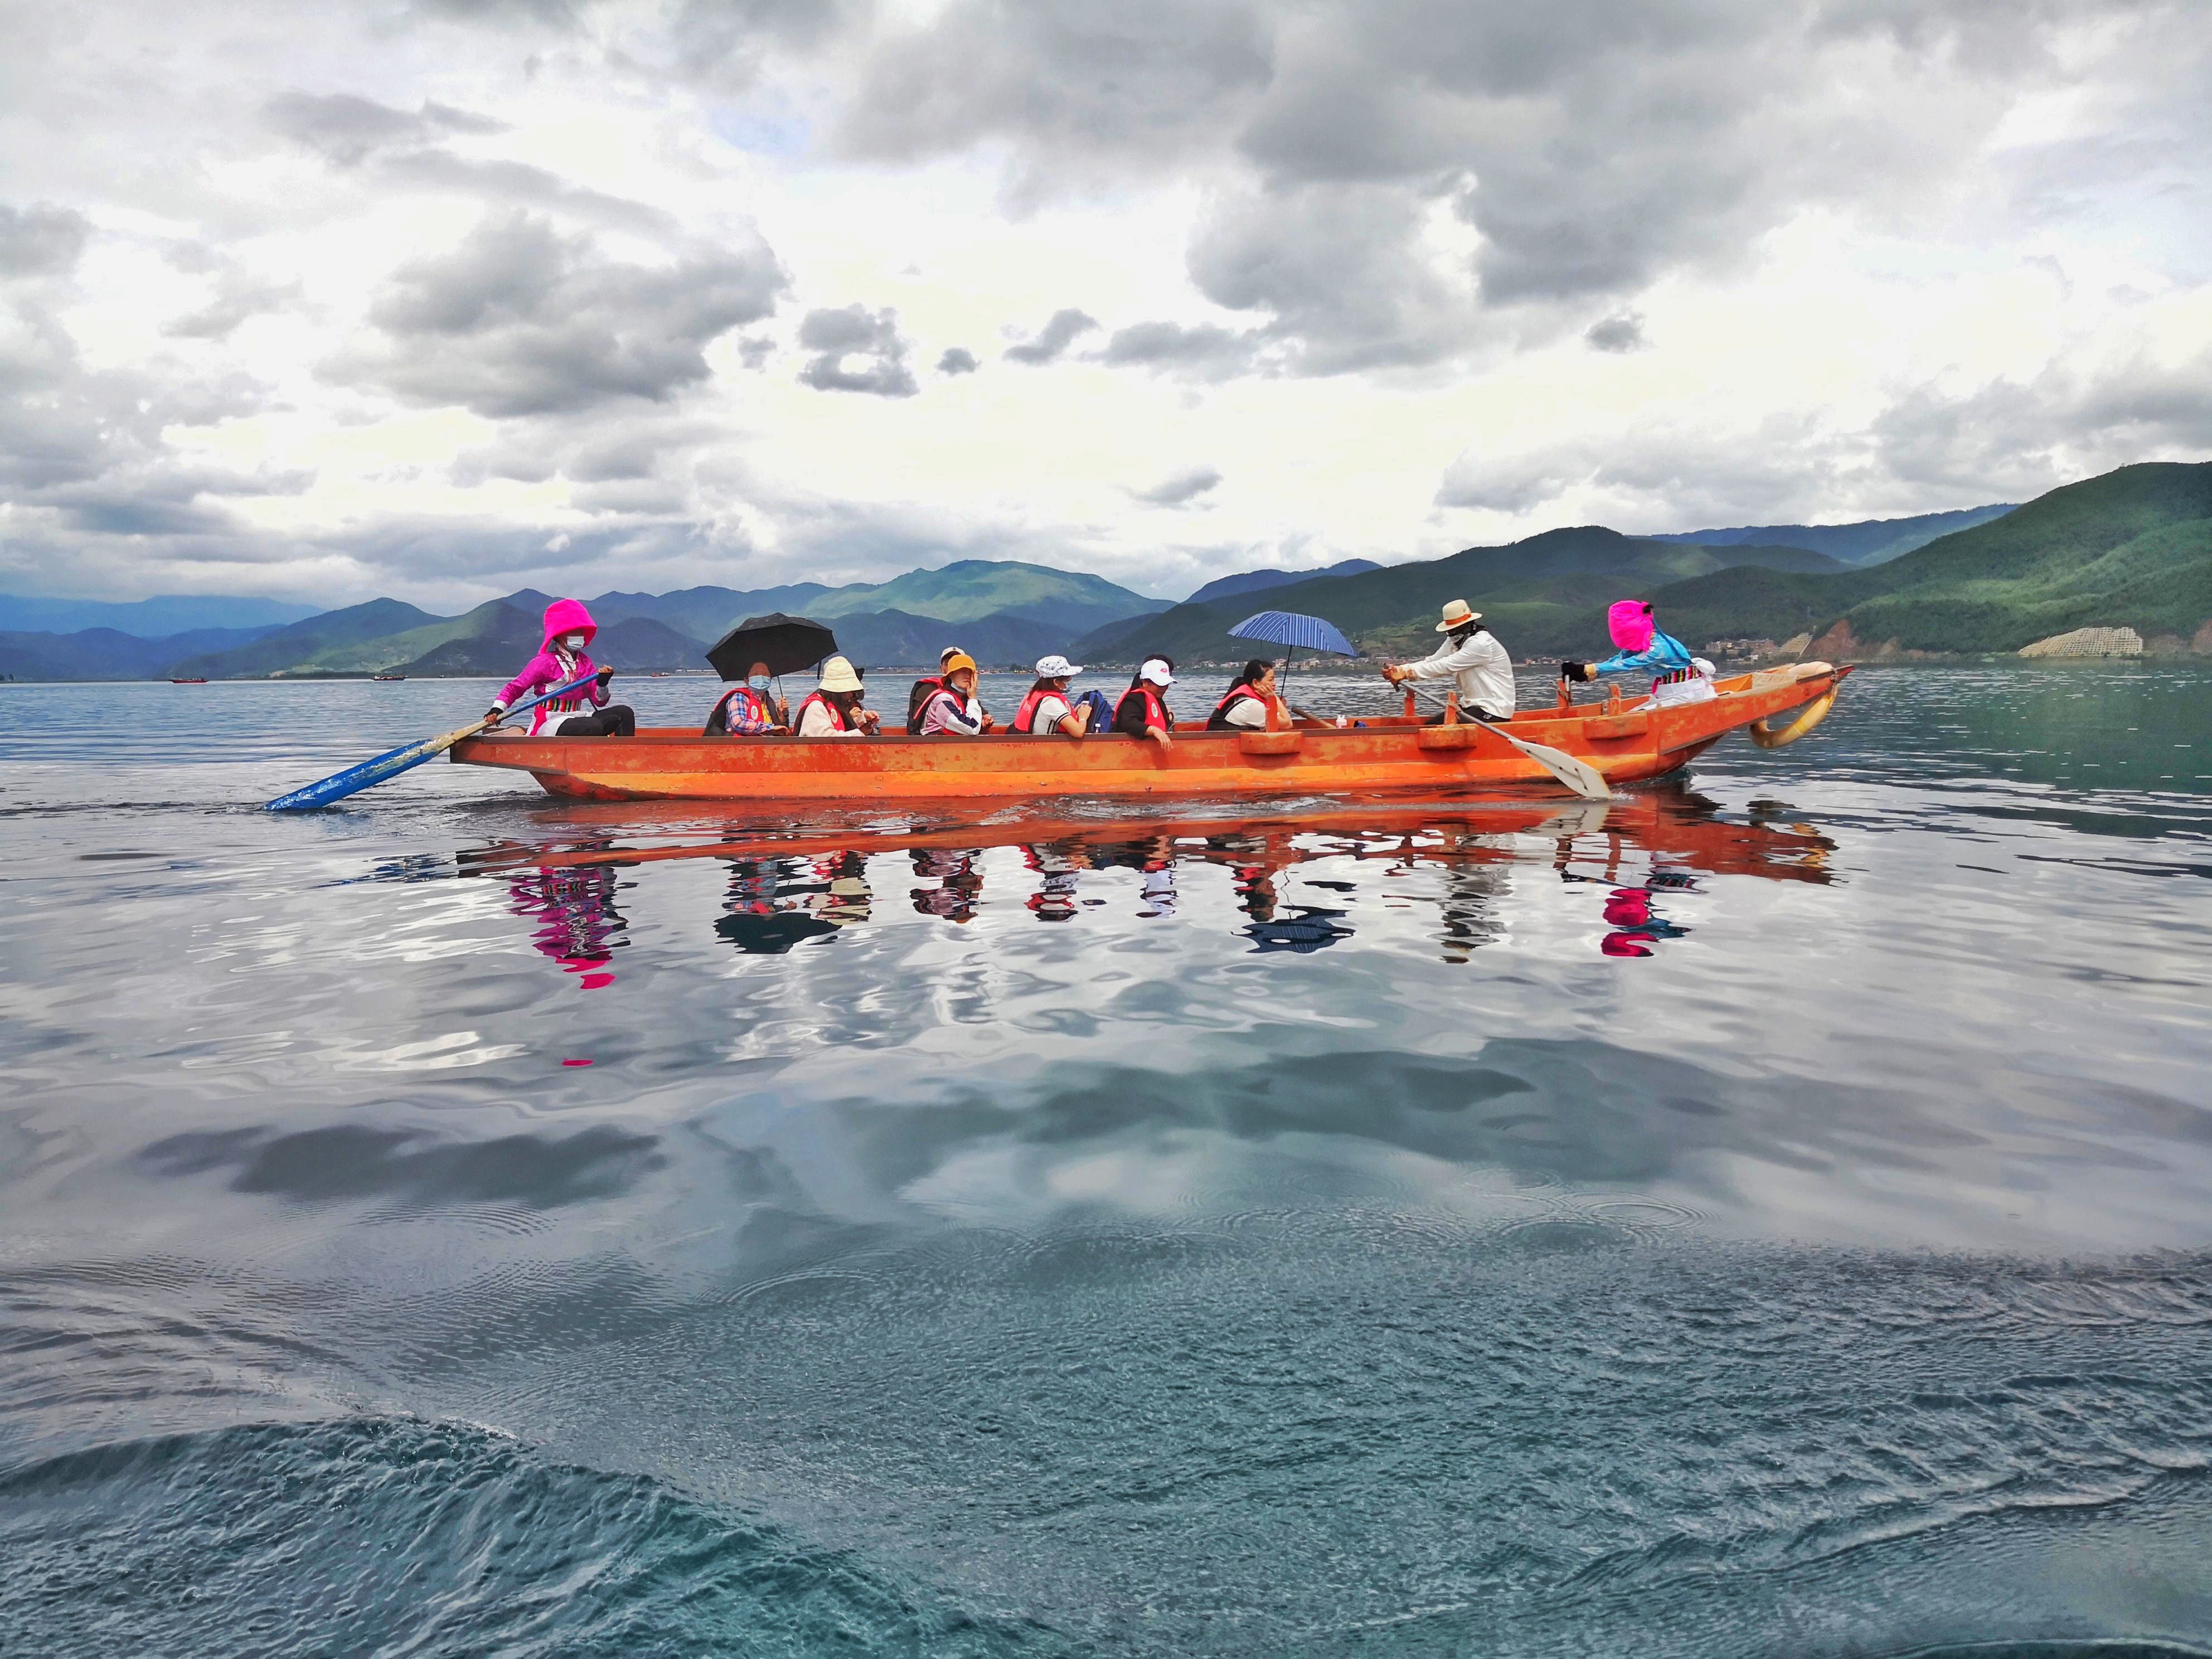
<point x="785" y="644"/>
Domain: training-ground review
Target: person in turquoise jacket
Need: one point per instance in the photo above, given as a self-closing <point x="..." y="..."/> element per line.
<point x="1677" y="676"/>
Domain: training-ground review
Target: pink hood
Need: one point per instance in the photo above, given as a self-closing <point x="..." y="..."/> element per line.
<point x="1629" y="620"/>
<point x="568" y="617"/>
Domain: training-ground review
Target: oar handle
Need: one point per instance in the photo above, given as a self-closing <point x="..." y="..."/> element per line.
<point x="524" y="707"/>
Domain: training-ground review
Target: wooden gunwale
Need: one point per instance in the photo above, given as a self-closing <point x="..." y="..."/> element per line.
<point x="1382" y="756"/>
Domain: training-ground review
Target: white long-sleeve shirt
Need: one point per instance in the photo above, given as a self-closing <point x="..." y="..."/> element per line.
<point x="1482" y="667"/>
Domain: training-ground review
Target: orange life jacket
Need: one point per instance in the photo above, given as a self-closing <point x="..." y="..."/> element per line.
<point x="1219" y="719"/>
<point x="836" y="714"/>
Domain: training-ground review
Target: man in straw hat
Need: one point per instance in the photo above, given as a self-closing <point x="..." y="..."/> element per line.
<point x="1471" y="657"/>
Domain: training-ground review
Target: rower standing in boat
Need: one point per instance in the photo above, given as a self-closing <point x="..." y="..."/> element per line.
<point x="1678" y="677"/>
<point x="561" y="661"/>
<point x="1472" y="658"/>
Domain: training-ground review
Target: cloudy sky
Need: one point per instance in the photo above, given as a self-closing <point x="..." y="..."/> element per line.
<point x="434" y="298"/>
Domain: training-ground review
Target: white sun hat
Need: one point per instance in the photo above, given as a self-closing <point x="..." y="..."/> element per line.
<point x="1056" y="668"/>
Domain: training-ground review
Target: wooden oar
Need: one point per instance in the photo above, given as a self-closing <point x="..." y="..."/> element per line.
<point x="1580" y="777"/>
<point x="393" y="762"/>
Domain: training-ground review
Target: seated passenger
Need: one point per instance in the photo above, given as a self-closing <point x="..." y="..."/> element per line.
<point x="1678" y="677"/>
<point x="1245" y="708"/>
<point x="1143" y="710"/>
<point x="952" y="710"/>
<point x="834" y="710"/>
<point x="919" y="693"/>
<point x="1047" y="711"/>
<point x="745" y="711"/>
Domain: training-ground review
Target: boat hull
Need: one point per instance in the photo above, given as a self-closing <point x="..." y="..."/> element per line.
<point x="1627" y="744"/>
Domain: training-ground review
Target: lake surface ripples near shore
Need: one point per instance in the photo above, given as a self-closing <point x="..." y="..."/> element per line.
<point x="1770" y="1214"/>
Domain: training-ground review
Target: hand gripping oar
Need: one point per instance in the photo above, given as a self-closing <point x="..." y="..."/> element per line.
<point x="392" y="762"/>
<point x="1580" y="777"/>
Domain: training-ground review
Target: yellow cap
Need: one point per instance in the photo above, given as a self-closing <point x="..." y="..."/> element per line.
<point x="955" y="662"/>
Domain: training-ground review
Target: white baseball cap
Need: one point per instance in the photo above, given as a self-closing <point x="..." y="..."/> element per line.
<point x="1053" y="668"/>
<point x="1156" y="670"/>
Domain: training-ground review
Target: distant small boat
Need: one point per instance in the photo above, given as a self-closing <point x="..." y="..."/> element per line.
<point x="387" y="677"/>
<point x="190" y="679"/>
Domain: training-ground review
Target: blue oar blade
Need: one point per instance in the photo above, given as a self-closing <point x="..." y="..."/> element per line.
<point x="393" y="762"/>
<point x="354" y="779"/>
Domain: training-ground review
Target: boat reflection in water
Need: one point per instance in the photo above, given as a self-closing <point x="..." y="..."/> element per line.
<point x="796" y="886"/>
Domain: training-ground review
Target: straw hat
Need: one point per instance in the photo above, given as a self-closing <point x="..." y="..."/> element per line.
<point x="1456" y="614"/>
<point x="837" y="675"/>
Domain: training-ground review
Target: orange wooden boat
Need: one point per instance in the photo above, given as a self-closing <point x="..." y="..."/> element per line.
<point x="1626" y="740"/>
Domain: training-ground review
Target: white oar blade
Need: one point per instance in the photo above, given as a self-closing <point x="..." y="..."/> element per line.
<point x="1578" y="775"/>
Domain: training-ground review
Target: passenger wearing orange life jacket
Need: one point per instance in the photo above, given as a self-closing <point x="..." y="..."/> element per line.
<point x="1245" y="708"/>
<point x="1143" y="710"/>
<point x="834" y="710"/>
<point x="746" y="710"/>
<point x="950" y="710"/>
<point x="918" y="696"/>
<point x="1047" y="712"/>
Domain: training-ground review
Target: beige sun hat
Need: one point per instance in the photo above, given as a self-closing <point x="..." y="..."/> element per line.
<point x="1456" y="614"/>
<point x="837" y="675"/>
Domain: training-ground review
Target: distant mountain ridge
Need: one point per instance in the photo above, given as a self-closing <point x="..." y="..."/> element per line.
<point x="2131" y="548"/>
<point x="1868" y="542"/>
<point x="1257" y="581"/>
<point x="1000" y="611"/>
<point x="1532" y="593"/>
<point x="160" y="617"/>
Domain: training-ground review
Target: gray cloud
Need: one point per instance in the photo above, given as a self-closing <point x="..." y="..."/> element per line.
<point x="519" y="319"/>
<point x="854" y="331"/>
<point x="1068" y="83"/>
<point x="1180" y="490"/>
<point x="1621" y="334"/>
<point x="1590" y="147"/>
<point x="957" y="360"/>
<point x="1934" y="447"/>
<point x="1203" y="351"/>
<point x="237" y="296"/>
<point x="523" y="185"/>
<point x="41" y="240"/>
<point x="1054" y="338"/>
<point x="345" y="130"/>
<point x="1341" y="273"/>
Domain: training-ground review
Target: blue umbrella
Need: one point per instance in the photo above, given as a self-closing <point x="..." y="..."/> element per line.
<point x="1289" y="628"/>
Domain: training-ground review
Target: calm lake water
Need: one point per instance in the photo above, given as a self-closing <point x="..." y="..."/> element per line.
<point x="1772" y="1214"/>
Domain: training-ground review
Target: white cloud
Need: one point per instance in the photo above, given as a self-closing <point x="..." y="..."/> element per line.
<point x="441" y="298"/>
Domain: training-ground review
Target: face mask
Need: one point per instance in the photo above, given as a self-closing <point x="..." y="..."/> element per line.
<point x="758" y="682"/>
<point x="572" y="643"/>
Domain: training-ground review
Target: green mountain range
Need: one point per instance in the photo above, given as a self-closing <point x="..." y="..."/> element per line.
<point x="1870" y="542"/>
<point x="1000" y="611"/>
<point x="1535" y="594"/>
<point x="2132" y="548"/>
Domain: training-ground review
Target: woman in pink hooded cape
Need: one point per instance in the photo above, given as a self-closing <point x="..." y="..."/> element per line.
<point x="562" y="659"/>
